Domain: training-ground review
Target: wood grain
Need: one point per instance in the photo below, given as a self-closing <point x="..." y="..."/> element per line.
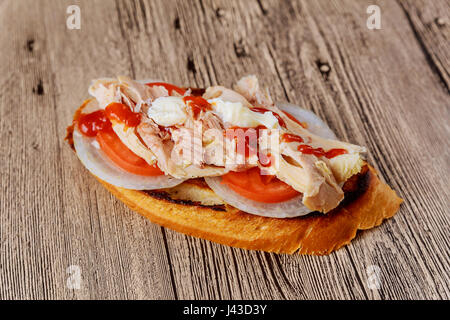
<point x="386" y="89"/>
<point x="430" y="23"/>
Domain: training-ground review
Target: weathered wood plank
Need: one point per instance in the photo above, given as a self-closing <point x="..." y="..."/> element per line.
<point x="382" y="91"/>
<point x="431" y="24"/>
<point x="30" y="209"/>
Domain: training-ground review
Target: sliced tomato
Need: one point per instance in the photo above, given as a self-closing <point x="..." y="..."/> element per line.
<point x="263" y="188"/>
<point x="119" y="153"/>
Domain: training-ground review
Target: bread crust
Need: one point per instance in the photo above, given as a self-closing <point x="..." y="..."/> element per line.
<point x="365" y="207"/>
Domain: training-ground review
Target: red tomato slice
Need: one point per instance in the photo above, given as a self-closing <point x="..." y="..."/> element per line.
<point x="123" y="157"/>
<point x="252" y="185"/>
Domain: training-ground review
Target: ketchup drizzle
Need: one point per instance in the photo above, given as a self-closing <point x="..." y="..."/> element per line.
<point x="122" y="113"/>
<point x="263" y="110"/>
<point x="319" y="152"/>
<point x="197" y="104"/>
<point x="289" y="137"/>
<point x="91" y="123"/>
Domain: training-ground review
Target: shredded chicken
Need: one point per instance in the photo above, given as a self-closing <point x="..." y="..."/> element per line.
<point x="182" y="152"/>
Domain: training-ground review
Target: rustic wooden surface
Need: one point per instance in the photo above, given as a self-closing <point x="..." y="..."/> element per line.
<point x="387" y="89"/>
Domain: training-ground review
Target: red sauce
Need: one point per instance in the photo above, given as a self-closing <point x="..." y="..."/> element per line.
<point x="197" y="104"/>
<point x="196" y="91"/>
<point x="169" y="87"/>
<point x="263" y="110"/>
<point x="122" y="113"/>
<point x="334" y="153"/>
<point x="319" y="152"/>
<point x="290" y="116"/>
<point x="90" y="124"/>
<point x="289" y="137"/>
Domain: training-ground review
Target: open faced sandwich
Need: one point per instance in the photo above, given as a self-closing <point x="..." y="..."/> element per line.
<point x="228" y="165"/>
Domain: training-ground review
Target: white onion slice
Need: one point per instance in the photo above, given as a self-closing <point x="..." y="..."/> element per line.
<point x="286" y="209"/>
<point x="315" y="124"/>
<point x="101" y="166"/>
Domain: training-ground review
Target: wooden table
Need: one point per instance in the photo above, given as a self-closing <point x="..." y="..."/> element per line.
<point x="387" y="89"/>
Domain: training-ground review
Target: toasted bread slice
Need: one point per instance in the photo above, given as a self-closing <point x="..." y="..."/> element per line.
<point x="367" y="203"/>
